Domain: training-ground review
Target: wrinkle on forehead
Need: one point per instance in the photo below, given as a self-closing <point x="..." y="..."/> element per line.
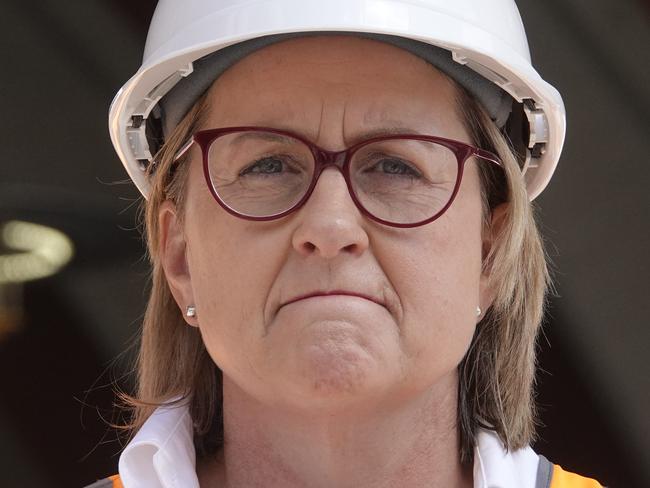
<point x="373" y="123"/>
<point x="285" y="87"/>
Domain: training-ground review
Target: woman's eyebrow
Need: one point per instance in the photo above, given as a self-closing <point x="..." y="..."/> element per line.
<point x="379" y="132"/>
<point x="266" y="136"/>
<point x="358" y="137"/>
<point x="386" y="131"/>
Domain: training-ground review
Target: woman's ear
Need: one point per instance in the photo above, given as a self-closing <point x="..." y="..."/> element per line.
<point x="173" y="257"/>
<point x="490" y="235"/>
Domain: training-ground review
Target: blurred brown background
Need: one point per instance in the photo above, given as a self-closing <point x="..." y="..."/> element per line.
<point x="62" y="338"/>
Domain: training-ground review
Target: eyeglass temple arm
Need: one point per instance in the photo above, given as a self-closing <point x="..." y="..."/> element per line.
<point x="184" y="148"/>
<point x="488" y="156"/>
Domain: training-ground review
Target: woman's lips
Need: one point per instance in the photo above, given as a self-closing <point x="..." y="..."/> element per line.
<point x="333" y="292"/>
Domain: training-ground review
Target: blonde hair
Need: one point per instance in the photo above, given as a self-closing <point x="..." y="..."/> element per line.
<point x="496" y="377"/>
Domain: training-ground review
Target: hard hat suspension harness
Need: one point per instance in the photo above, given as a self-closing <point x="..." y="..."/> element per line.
<point x="164" y="107"/>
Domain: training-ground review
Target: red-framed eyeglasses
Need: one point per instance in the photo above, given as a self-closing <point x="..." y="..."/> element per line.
<point x="399" y="180"/>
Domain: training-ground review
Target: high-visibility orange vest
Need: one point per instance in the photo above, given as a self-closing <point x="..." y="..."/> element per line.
<point x="110" y="482"/>
<point x="549" y="476"/>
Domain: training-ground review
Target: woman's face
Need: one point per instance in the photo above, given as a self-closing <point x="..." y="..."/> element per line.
<point x="332" y="351"/>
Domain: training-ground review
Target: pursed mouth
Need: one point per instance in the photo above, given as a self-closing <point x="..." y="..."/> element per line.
<point x="334" y="292"/>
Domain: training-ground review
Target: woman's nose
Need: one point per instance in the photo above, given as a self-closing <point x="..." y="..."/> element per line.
<point x="330" y="222"/>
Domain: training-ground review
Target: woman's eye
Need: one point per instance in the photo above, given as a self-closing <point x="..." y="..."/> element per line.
<point x="396" y="167"/>
<point x="268" y="165"/>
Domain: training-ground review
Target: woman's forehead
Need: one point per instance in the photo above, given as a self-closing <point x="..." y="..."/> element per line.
<point x="366" y="82"/>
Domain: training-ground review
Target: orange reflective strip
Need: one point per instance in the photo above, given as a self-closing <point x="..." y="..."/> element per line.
<point x="564" y="479"/>
<point x="117" y="482"/>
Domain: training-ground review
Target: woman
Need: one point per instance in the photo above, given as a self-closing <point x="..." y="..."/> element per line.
<point x="347" y="276"/>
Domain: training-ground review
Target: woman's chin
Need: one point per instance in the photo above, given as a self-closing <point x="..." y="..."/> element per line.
<point x="336" y="364"/>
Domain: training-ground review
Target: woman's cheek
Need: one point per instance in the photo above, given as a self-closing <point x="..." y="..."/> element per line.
<point x="437" y="281"/>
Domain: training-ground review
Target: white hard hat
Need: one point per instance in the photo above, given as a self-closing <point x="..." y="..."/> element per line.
<point x="479" y="37"/>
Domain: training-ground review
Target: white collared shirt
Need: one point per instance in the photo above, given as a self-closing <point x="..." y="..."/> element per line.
<point x="161" y="455"/>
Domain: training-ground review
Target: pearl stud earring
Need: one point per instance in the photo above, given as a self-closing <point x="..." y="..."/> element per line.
<point x="478" y="311"/>
<point x="191" y="311"/>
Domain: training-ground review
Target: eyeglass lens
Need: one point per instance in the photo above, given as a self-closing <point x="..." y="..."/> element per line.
<point x="260" y="174"/>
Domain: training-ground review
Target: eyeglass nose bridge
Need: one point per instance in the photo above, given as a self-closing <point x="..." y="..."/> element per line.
<point x="325" y="158"/>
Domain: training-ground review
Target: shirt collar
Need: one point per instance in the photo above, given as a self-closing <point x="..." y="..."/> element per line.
<point x="161" y="455"/>
<point x="494" y="467"/>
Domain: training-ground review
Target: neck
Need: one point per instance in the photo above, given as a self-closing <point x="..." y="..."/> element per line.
<point x="414" y="444"/>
